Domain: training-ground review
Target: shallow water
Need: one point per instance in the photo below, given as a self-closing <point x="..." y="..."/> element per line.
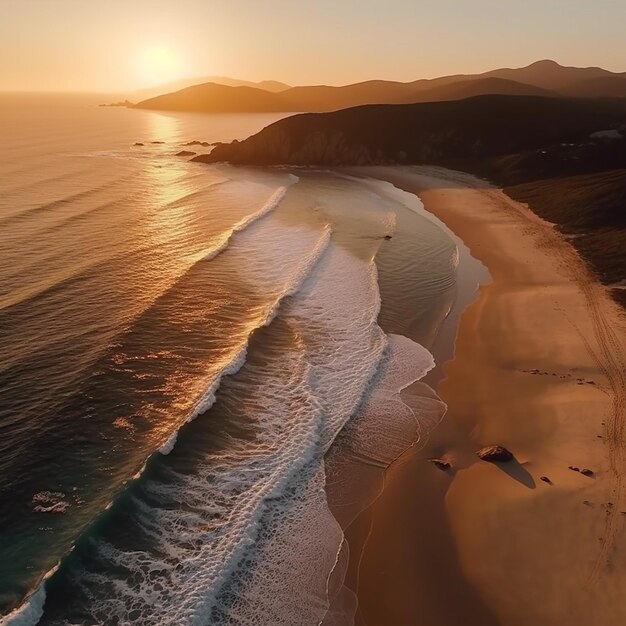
<point x="180" y="346"/>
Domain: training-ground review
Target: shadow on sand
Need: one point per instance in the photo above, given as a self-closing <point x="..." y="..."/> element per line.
<point x="518" y="472"/>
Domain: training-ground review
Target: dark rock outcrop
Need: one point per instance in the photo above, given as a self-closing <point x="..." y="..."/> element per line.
<point x="495" y="454"/>
<point x="123" y="103"/>
<point x="441" y="464"/>
<point x="183" y="153"/>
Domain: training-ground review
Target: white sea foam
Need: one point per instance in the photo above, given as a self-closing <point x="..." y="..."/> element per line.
<point x="269" y="206"/>
<point x="240" y="533"/>
<point x="293" y="552"/>
<point x="386" y="424"/>
<point x="29" y="613"/>
<point x="307" y="246"/>
<point x="298" y="543"/>
<point x="31" y="610"/>
<point x="206" y="401"/>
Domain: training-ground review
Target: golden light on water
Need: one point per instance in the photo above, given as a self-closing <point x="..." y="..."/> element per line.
<point x="167" y="183"/>
<point x="163" y="127"/>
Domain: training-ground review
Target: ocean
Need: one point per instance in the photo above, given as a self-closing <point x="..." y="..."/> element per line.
<point x="204" y="370"/>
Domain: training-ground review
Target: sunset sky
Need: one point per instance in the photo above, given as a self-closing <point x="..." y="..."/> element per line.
<point x="121" y="45"/>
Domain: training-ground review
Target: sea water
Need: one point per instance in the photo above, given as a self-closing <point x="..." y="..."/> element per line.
<point x="188" y="354"/>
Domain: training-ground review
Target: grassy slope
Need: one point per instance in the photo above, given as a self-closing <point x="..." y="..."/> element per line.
<point x="580" y="187"/>
<point x="591" y="208"/>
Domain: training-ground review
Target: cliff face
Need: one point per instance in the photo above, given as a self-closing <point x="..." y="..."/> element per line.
<point x="277" y="146"/>
<point x="436" y="132"/>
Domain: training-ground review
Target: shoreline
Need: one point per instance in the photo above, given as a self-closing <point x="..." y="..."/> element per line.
<point x="538" y="367"/>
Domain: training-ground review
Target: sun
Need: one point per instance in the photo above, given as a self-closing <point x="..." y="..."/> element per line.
<point x="158" y="64"/>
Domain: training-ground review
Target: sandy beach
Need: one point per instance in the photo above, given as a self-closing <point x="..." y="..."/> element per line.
<point x="539" y="367"/>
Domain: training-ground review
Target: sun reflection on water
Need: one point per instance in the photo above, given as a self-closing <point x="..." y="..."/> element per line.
<point x="163" y="127"/>
<point x="168" y="189"/>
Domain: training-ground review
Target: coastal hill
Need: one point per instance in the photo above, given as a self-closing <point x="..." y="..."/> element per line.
<point x="273" y="86"/>
<point x="323" y="98"/>
<point x="551" y="75"/>
<point x="545" y="78"/>
<point x="459" y="90"/>
<point x="608" y="86"/>
<point x="211" y="97"/>
<point x="592" y="209"/>
<point x="433" y="132"/>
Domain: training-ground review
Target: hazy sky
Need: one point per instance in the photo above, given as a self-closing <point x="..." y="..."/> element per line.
<point x="120" y="45"/>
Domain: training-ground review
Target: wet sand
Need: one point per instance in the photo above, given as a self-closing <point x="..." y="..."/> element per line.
<point x="539" y="367"/>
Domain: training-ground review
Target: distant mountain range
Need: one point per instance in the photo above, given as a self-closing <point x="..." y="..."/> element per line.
<point x="543" y="78"/>
<point x="273" y="86"/>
